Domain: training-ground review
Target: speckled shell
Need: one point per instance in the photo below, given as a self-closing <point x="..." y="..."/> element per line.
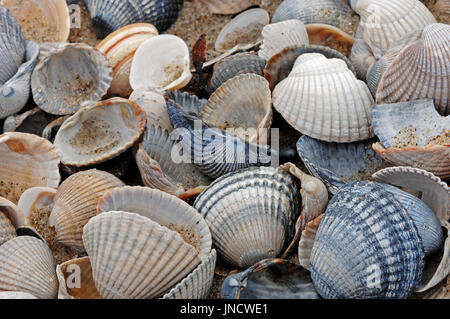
<point x="190" y="104"/>
<point x="8" y="295"/>
<point x="306" y="242"/>
<point x="144" y="259"/>
<point x="27" y="265"/>
<point x="323" y="99"/>
<point x="158" y="169"/>
<point x="430" y="189"/>
<point x="281" y="35"/>
<point x="161" y="63"/>
<point x="27" y="161"/>
<point x="228" y="6"/>
<point x="154" y="106"/>
<point x="99" y="132"/>
<point x="337" y="164"/>
<point x="242" y="102"/>
<point x="420" y="71"/>
<point x="280" y="65"/>
<point x="76" y="202"/>
<point x="108" y="16"/>
<point x="409" y="134"/>
<point x="367" y="246"/>
<point x="270" y="279"/>
<point x="251" y="213"/>
<point x="55" y="12"/>
<point x="240" y="63"/>
<point x="71" y="73"/>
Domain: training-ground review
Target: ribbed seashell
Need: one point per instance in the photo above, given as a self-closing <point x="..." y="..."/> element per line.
<point x="190" y="104"/>
<point x="243" y="29"/>
<point x="27" y="161"/>
<point x="99" y="132"/>
<point x="281" y="35"/>
<point x="41" y="20"/>
<point x="367" y="246"/>
<point x="270" y="279"/>
<point x="336" y="13"/>
<point x="330" y="36"/>
<point x="76" y="202"/>
<point x="11" y="217"/>
<point x="160" y="170"/>
<point x="154" y="106"/>
<point x="280" y="65"/>
<point x="228" y="6"/>
<point x="240" y="63"/>
<point x="109" y="16"/>
<point x="162" y="208"/>
<point x="306" y="242"/>
<point x="383" y="22"/>
<point x="323" y="99"/>
<point x="413" y="134"/>
<point x="18" y="61"/>
<point x="243" y="103"/>
<point x="361" y="55"/>
<point x="161" y="63"/>
<point x="145" y="259"/>
<point x="16" y="295"/>
<point x="27" y="265"/>
<point x="72" y="73"/>
<point x="420" y="71"/>
<point x="428" y="187"/>
<point x="337" y="164"/>
<point x="214" y="151"/>
<point x="251" y="213"/>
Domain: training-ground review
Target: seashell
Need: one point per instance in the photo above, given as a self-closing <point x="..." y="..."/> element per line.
<point x="27" y="161"/>
<point x="242" y="103"/>
<point x="36" y="198"/>
<point x="76" y="202"/>
<point x="13" y="122"/>
<point x="190" y="104"/>
<point x="305" y="103"/>
<point x="160" y="170"/>
<point x="27" y="265"/>
<point x="329" y="36"/>
<point x="413" y="134"/>
<point x="428" y="187"/>
<point x="337" y="164"/>
<point x="16" y="295"/>
<point x="238" y="48"/>
<point x="228" y="6"/>
<point x="359" y="216"/>
<point x="361" y="55"/>
<point x="281" y="35"/>
<point x="419" y="71"/>
<point x="280" y="65"/>
<point x="240" y="63"/>
<point x="270" y="279"/>
<point x="18" y="61"/>
<point x="154" y="106"/>
<point x="11" y="217"/>
<point x="135" y="241"/>
<point x="41" y="20"/>
<point x="243" y="29"/>
<point x="215" y="152"/>
<point x="161" y="63"/>
<point x="119" y="48"/>
<point x="251" y="213"/>
<point x="306" y="242"/>
<point x="99" y="132"/>
<point x="166" y="210"/>
<point x="109" y="16"/>
<point x="69" y="75"/>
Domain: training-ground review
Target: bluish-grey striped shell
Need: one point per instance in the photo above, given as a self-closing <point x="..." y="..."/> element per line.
<point x="367" y="246"/>
<point x="190" y="104"/>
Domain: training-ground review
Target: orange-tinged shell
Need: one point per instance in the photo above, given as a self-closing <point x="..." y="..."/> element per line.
<point x="307" y="241"/>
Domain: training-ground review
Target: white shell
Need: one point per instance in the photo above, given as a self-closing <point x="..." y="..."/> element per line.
<point x="36" y="198"/>
<point x="11" y="217"/>
<point x="16" y="295"/>
<point x="228" y="6"/>
<point x="154" y="105"/>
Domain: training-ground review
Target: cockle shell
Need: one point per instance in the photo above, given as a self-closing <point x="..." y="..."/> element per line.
<point x="76" y="202"/>
<point x="228" y="6"/>
<point x="11" y="217"/>
<point x="69" y="75"/>
<point x="190" y="104"/>
<point x="27" y="265"/>
<point x="306" y="242"/>
<point x="154" y="106"/>
<point x="329" y="36"/>
<point x="144" y="259"/>
<point x="243" y="103"/>
<point x="109" y="16"/>
<point x="413" y="134"/>
<point x="99" y="132"/>
<point x="251" y="213"/>
<point x="119" y="48"/>
<point x="27" y="161"/>
<point x="16" y="295"/>
<point x="359" y="216"/>
<point x="278" y="36"/>
<point x="161" y="63"/>
<point x="361" y="55"/>
<point x="420" y="71"/>
<point x="323" y="99"/>
<point x="41" y="20"/>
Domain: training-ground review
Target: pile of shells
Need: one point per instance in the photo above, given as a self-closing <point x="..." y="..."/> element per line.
<point x="307" y="157"/>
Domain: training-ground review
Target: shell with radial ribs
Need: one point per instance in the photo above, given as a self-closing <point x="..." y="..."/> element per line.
<point x="11" y="217"/>
<point x="154" y="106"/>
<point x="228" y="6"/>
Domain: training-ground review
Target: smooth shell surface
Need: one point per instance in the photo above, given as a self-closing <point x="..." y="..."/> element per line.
<point x="99" y="132"/>
<point x="154" y="106"/>
<point x="228" y="6"/>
